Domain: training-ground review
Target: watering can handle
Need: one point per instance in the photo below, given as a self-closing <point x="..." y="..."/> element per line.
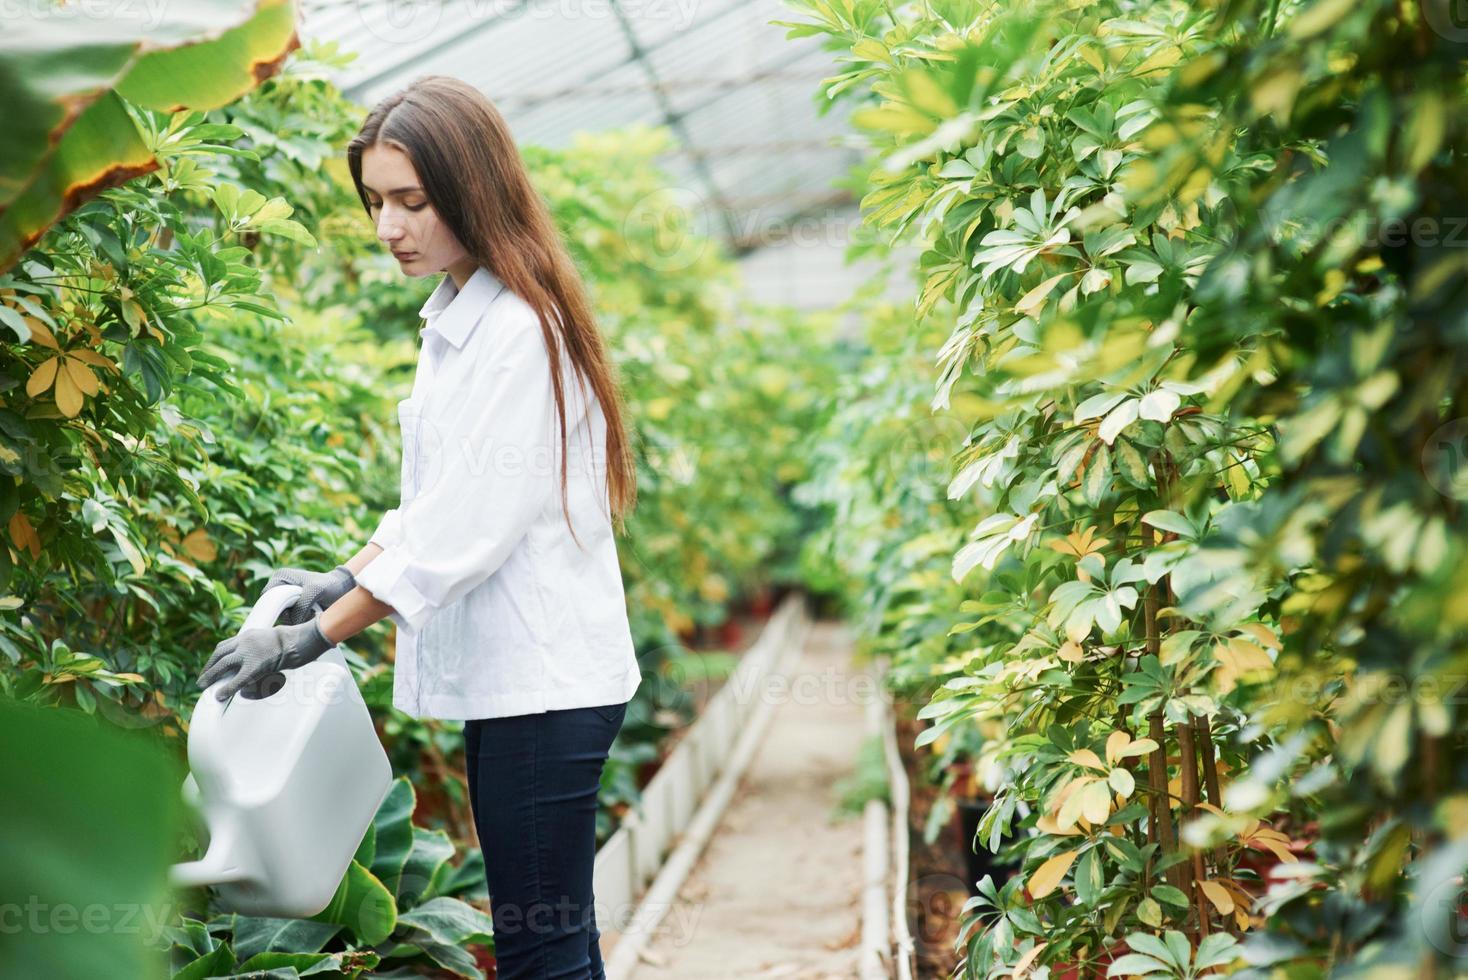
<point x="263" y="614"/>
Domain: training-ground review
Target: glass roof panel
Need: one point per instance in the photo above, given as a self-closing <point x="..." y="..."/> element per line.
<point x="739" y="98"/>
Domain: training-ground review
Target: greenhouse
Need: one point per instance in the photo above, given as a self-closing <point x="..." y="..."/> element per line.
<point x="734" y="490"/>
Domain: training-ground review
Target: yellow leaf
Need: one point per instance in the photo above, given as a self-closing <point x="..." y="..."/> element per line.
<point x="1139" y="746"/>
<point x="713" y="588"/>
<point x="1277" y="850"/>
<point x="1249" y="655"/>
<point x="1070" y="651"/>
<point x="1046" y="824"/>
<point x="1069" y="801"/>
<point x="1263" y="634"/>
<point x="1027" y="960"/>
<point x="92" y="357"/>
<point x="1165" y="58"/>
<point x="68" y="396"/>
<point x="198" y="546"/>
<point x="1274" y="93"/>
<point x="24" y="535"/>
<point x="872" y="50"/>
<point x="1048" y="875"/>
<point x="41" y="334"/>
<point x="893" y="118"/>
<point x="1031" y="301"/>
<point x="1115" y="742"/>
<point x="928" y="96"/>
<point x="133" y="314"/>
<point x="1096" y="802"/>
<point x="1318" y="17"/>
<point x="1085" y="757"/>
<point x="1236" y="658"/>
<point x="42" y="376"/>
<point x="1271" y="834"/>
<point x="81" y="375"/>
<point x="1218" y="895"/>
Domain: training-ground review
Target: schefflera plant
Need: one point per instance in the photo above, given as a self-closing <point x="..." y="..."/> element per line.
<point x="1024" y="151"/>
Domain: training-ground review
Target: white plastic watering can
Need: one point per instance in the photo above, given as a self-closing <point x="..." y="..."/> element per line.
<point x="287" y="784"/>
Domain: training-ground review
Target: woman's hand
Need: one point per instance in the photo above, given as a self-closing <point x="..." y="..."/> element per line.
<point x="254" y="654"/>
<point x="322" y="588"/>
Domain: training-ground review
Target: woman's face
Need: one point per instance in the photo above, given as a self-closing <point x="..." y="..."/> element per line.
<point x="406" y="221"/>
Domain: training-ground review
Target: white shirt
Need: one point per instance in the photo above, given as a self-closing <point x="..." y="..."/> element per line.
<point x="498" y="610"/>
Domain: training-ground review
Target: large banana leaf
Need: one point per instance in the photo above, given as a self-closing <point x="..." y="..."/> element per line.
<point x="64" y="77"/>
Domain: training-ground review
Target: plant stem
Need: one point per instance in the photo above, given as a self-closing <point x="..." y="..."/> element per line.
<point x="1203" y="735"/>
<point x="1191" y="871"/>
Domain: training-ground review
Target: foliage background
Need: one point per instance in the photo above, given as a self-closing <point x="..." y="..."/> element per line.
<point x="203" y="362"/>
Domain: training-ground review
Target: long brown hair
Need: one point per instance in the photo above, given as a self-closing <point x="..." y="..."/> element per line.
<point x="474" y="176"/>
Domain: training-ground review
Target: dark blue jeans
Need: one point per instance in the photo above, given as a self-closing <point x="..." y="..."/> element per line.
<point x="533" y="783"/>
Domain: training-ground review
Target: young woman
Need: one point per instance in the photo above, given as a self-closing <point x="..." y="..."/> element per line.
<point x="499" y="566"/>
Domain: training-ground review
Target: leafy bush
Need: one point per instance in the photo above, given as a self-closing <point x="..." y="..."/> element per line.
<point x="203" y="358"/>
<point x="1198" y="380"/>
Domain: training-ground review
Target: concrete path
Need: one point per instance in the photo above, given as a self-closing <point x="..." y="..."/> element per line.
<point x="777" y="891"/>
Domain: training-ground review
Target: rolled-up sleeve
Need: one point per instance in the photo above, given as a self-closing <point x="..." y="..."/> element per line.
<point x="389" y="530"/>
<point x="483" y="483"/>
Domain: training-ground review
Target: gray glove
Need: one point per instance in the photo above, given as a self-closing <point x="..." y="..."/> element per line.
<point x="323" y="588"/>
<point x="255" y="654"/>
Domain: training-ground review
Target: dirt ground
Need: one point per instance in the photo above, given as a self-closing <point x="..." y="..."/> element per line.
<point x="777" y="891"/>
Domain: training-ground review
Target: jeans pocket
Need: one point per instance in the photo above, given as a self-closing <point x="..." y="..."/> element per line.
<point x="611" y="712"/>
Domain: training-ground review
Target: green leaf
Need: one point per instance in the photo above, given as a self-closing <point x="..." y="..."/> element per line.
<point x="16" y="323"/>
<point x="1135" y="964"/>
<point x="1215" y="950"/>
<point x="393" y="830"/>
<point x="258" y="934"/>
<point x="227" y="198"/>
<point x="1170" y="895"/>
<point x="1098" y="405"/>
<point x="1131" y="465"/>
<point x="1122" y="781"/>
<point x="452" y="958"/>
<point x="1098" y="477"/>
<point x="1031" y="143"/>
<point x="1156" y="948"/>
<point x="1118" y="419"/>
<point x="1088" y="878"/>
<point x="212" y="964"/>
<point x="286" y="228"/>
<point x="432" y="850"/>
<point x="367" y="850"/>
<point x="362" y="904"/>
<point x="1167" y="520"/>
<point x="450" y="921"/>
<point x="72" y="772"/>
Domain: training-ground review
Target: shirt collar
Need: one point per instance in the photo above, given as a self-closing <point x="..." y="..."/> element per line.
<point x="452" y="312"/>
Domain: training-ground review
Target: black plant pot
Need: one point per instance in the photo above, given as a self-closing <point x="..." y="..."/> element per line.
<point x="981" y="861"/>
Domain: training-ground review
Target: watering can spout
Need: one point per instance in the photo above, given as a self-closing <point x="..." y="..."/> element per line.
<point x="220" y="865"/>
